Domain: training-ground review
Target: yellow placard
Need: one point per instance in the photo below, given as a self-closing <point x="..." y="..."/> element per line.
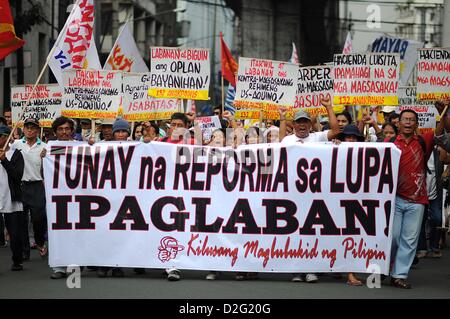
<point x="153" y="116"/>
<point x="365" y="100"/>
<point x="433" y="96"/>
<point x="179" y="94"/>
<point x="81" y="114"/>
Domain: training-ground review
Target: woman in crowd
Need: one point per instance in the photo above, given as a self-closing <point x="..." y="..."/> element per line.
<point x="137" y="132"/>
<point x="351" y="133"/>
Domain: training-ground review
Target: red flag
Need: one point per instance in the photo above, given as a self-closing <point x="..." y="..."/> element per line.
<point x="8" y="40"/>
<point x="229" y="65"/>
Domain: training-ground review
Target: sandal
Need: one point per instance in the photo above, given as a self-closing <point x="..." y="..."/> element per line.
<point x="355" y="283"/>
<point x="400" y="283"/>
<point x="42" y="251"/>
<point x="352" y="280"/>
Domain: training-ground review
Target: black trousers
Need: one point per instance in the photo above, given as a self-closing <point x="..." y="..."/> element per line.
<point x="14" y="224"/>
<point x="34" y="203"/>
<point x="2" y="231"/>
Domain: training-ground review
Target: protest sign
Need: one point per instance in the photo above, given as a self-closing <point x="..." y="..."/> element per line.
<point x="208" y="124"/>
<point x="139" y="106"/>
<point x="406" y="48"/>
<point x="264" y="85"/>
<point x="433" y="74"/>
<point x="314" y="84"/>
<point x="179" y="73"/>
<point x="407" y="99"/>
<point x="263" y="208"/>
<point x="366" y="79"/>
<point x="44" y="105"/>
<point x="91" y="94"/>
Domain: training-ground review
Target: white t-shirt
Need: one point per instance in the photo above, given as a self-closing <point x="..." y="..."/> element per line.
<point x="6" y="205"/>
<point x="312" y="137"/>
<point x="32" y="158"/>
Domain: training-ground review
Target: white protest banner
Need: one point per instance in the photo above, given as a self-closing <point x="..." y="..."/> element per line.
<point x="139" y="106"/>
<point x="74" y="40"/>
<point x="366" y="79"/>
<point x="314" y="83"/>
<point x="179" y="73"/>
<point x="91" y="93"/>
<point x="125" y="55"/>
<point x="44" y="105"/>
<point x="264" y="85"/>
<point x="406" y="48"/>
<point x="433" y="74"/>
<point x="208" y="124"/>
<point x="263" y="208"/>
<point x="407" y="99"/>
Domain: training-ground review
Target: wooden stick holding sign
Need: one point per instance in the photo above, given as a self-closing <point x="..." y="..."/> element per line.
<point x="132" y="129"/>
<point x="31" y="94"/>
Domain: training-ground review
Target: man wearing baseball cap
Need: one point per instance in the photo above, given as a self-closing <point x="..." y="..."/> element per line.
<point x="302" y="134"/>
<point x="303" y="124"/>
<point x="33" y="190"/>
<point x="11" y="170"/>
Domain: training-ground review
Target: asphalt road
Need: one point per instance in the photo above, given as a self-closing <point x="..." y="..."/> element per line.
<point x="430" y="280"/>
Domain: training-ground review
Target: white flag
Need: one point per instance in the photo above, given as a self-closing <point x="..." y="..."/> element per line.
<point x="124" y="55"/>
<point x="92" y="60"/>
<point x="348" y="47"/>
<point x="73" y="41"/>
<point x="294" y="55"/>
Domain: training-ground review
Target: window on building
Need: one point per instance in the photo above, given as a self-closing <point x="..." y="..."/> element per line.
<point x="106" y="18"/>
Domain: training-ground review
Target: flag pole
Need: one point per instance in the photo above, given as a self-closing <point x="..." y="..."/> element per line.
<point x="223" y="97"/>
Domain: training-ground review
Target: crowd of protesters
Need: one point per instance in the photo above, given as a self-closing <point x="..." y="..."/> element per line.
<point x="417" y="223"/>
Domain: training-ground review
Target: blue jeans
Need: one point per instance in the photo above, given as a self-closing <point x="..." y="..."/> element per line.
<point x="405" y="235"/>
<point x="433" y="213"/>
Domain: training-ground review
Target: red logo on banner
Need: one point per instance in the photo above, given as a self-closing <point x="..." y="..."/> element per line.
<point x="169" y="249"/>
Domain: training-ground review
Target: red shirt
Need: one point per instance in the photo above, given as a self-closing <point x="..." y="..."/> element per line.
<point x="411" y="172"/>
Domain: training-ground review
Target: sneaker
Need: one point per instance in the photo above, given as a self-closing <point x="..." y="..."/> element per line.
<point x="211" y="276"/>
<point x="4" y="244"/>
<point x="118" y="272"/>
<point x="58" y="275"/>
<point x="311" y="278"/>
<point x="174" y="275"/>
<point x="16" y="267"/>
<point x="297" y="278"/>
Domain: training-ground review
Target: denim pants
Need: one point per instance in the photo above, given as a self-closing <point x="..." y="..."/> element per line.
<point x="433" y="213"/>
<point x="405" y="235"/>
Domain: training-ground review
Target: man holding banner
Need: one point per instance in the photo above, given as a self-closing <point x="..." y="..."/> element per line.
<point x="411" y="195"/>
<point x="31" y="147"/>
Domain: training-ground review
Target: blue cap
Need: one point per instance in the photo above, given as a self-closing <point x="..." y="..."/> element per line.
<point x="5" y="130"/>
<point x="350" y="130"/>
<point x="121" y="125"/>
